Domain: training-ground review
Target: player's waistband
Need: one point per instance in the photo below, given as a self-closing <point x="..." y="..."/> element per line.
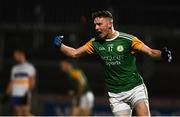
<point x="20" y="81"/>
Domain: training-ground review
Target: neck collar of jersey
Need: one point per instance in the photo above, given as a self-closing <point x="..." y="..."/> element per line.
<point x="113" y="37"/>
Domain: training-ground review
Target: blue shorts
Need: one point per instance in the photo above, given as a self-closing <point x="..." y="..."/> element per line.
<point x="20" y="100"/>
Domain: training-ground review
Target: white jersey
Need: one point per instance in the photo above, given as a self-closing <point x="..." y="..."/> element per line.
<point x="20" y="76"/>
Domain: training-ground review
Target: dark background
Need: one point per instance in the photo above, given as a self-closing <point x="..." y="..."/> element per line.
<point x="32" y="24"/>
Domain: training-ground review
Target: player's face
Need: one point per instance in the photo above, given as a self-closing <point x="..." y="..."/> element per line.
<point x="102" y="27"/>
<point x="18" y="57"/>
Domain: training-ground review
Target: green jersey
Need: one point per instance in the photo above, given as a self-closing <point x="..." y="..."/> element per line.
<point x="117" y="57"/>
<point x="73" y="76"/>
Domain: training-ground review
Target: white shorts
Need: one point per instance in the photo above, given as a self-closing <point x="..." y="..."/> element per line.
<point x="87" y="100"/>
<point x="125" y="101"/>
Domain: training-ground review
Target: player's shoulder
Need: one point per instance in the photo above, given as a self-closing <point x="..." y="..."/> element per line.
<point x="75" y="73"/>
<point x="14" y="67"/>
<point x="126" y="36"/>
<point x="93" y="39"/>
<point x="17" y="68"/>
<point x="75" y="69"/>
<point x="28" y="65"/>
<point x="97" y="40"/>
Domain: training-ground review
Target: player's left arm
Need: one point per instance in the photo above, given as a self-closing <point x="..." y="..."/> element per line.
<point x="32" y="82"/>
<point x="164" y="54"/>
<point x="73" y="52"/>
<point x="154" y="53"/>
<point x="32" y="78"/>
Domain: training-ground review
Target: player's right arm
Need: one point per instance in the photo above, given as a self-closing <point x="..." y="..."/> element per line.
<point x="6" y="95"/>
<point x="11" y="82"/>
<point x="9" y="88"/>
<point x="72" y="52"/>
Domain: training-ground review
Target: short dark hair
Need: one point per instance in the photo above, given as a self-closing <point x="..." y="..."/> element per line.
<point x="20" y="51"/>
<point x="104" y="13"/>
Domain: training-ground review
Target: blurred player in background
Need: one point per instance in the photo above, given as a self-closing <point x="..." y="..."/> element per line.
<point x="115" y="49"/>
<point x="21" y="83"/>
<point x="83" y="98"/>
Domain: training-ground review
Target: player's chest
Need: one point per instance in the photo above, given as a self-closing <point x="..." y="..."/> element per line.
<point x="113" y="47"/>
<point x="20" y="72"/>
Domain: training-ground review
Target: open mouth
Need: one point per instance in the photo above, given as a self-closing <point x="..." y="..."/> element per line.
<point x="99" y="33"/>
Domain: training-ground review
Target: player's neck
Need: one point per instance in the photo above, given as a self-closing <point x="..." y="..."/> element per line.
<point x="70" y="68"/>
<point x="112" y="34"/>
<point x="22" y="61"/>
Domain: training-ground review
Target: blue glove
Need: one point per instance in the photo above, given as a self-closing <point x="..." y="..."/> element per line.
<point x="58" y="41"/>
<point x="166" y="55"/>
